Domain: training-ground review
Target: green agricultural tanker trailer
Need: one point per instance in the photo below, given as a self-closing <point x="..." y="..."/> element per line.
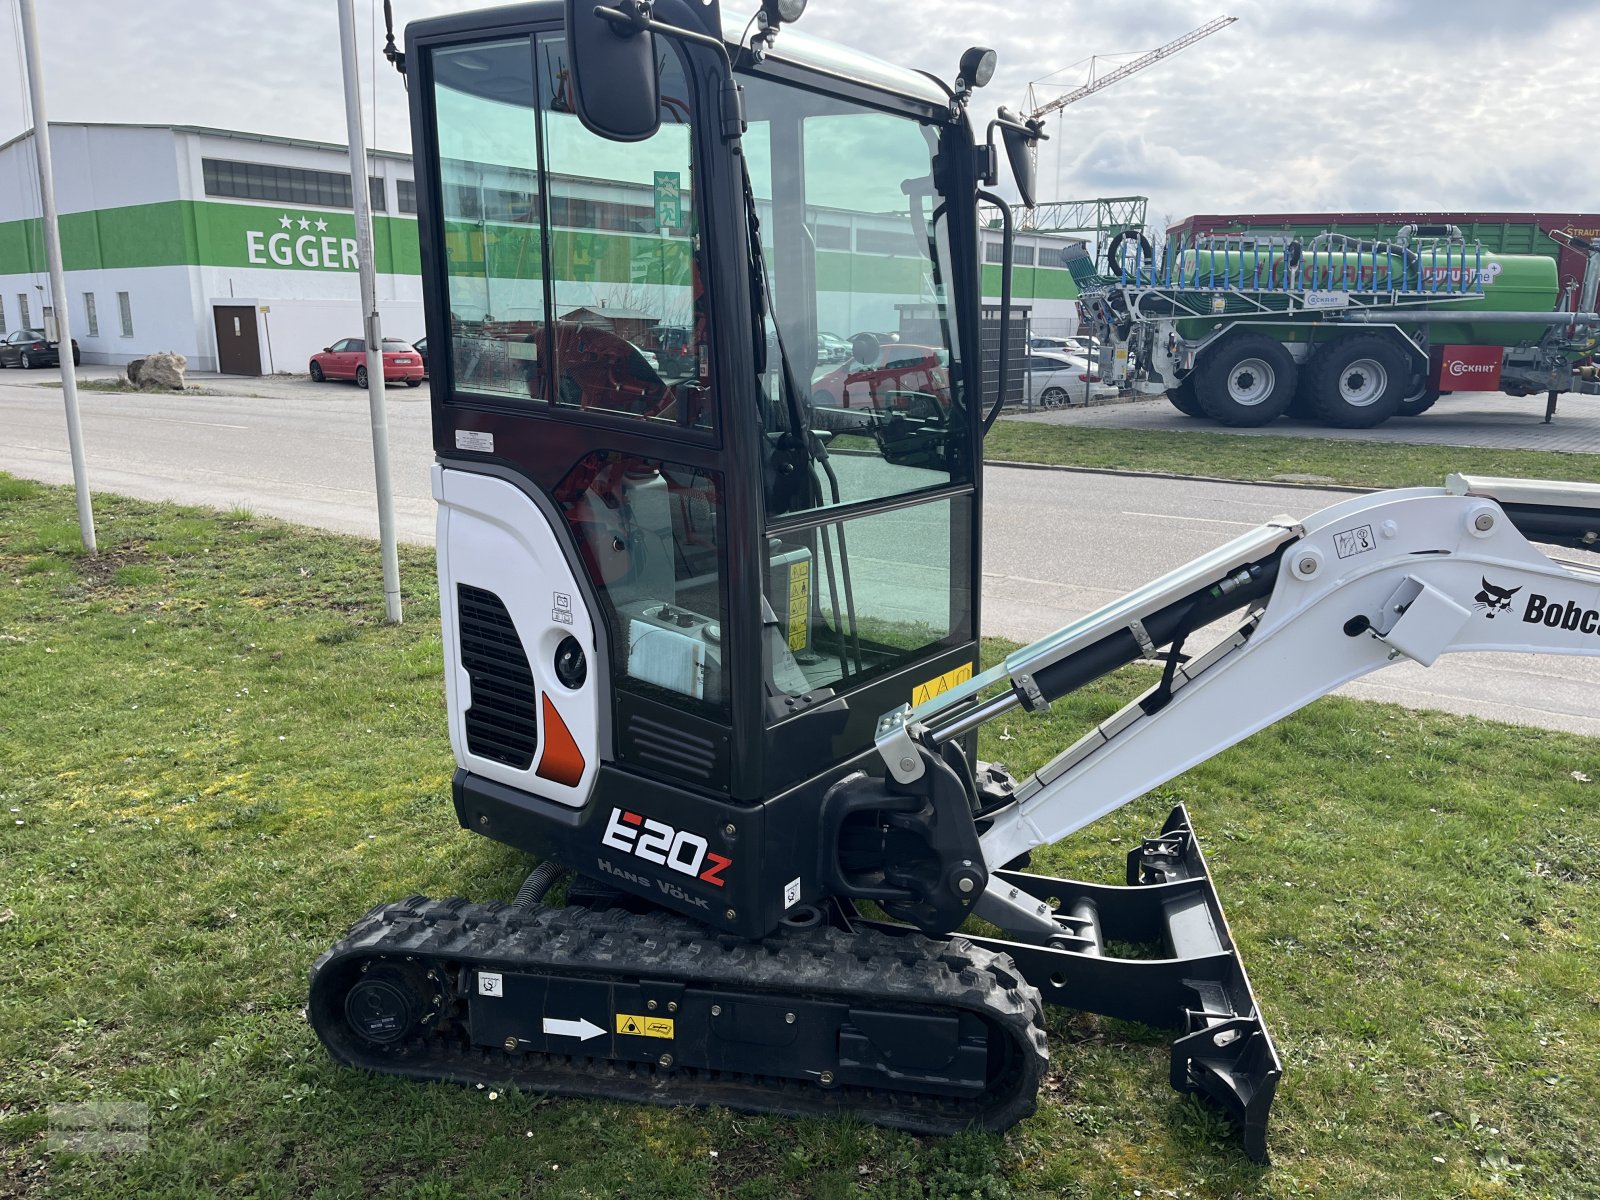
<point x="1345" y="331"/>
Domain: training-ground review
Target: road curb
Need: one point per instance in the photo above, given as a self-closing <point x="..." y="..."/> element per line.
<point x="1277" y="483"/>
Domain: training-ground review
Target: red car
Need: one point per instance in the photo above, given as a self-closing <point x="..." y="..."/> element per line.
<point x="348" y="360"/>
<point x="900" y="377"/>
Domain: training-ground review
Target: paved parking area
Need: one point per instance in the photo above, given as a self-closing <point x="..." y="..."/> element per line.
<point x="276" y="387"/>
<point x="1490" y="419"/>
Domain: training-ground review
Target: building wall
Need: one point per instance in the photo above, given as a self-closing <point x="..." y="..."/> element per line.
<point x="136" y="219"/>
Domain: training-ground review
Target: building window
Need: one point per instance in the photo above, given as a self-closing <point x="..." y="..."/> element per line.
<point x="2" y="316"/>
<point x="406" y="194"/>
<point x="288" y="185"/>
<point x="833" y="237"/>
<point x="22" y="310"/>
<point x="91" y="318"/>
<point x="126" y="308"/>
<point x="994" y="252"/>
<point x="886" y="241"/>
<point x="1023" y="257"/>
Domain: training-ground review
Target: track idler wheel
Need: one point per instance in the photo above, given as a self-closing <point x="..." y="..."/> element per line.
<point x="387" y="1004"/>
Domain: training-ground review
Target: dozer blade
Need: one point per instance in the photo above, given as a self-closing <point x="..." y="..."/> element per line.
<point x="1196" y="983"/>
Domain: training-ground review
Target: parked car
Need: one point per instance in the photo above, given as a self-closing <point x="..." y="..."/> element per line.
<point x="898" y="377"/>
<point x="832" y="348"/>
<point x="421" y="347"/>
<point x="28" y="348"/>
<point x="348" y="360"/>
<point x="1057" y="379"/>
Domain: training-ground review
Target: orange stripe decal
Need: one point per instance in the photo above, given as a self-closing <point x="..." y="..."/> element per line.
<point x="562" y="761"/>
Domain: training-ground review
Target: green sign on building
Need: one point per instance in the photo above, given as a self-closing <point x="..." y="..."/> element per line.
<point x="669" y="200"/>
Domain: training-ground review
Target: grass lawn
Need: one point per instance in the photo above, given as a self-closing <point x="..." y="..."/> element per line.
<point x="1251" y="457"/>
<point x="214" y="756"/>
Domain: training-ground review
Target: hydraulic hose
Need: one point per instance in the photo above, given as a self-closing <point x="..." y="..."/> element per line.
<point x="536" y="885"/>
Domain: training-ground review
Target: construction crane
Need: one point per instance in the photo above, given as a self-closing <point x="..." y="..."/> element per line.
<point x="1094" y="85"/>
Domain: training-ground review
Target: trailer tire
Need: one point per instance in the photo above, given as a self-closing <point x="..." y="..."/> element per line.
<point x="1246" y="380"/>
<point x="1357" y="382"/>
<point x="1183" y="398"/>
<point x="1420" y="400"/>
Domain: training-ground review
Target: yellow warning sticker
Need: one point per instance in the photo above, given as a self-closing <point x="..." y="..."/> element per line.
<point x="799" y="603"/>
<point x="941" y="684"/>
<point x="637" y="1026"/>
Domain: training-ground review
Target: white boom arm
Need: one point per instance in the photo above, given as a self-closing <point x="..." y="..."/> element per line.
<point x="1401" y="574"/>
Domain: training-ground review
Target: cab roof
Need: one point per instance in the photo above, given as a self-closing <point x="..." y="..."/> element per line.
<point x="801" y="49"/>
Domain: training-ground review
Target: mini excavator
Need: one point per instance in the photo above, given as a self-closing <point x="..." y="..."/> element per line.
<point x="711" y="633"/>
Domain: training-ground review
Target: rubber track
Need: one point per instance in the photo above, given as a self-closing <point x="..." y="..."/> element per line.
<point x="866" y="966"/>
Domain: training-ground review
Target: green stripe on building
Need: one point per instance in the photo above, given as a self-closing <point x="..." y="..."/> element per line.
<point x="208" y="233"/>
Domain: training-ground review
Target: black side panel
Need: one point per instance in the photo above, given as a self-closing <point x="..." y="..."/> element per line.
<point x="662" y="740"/>
<point x="501" y="724"/>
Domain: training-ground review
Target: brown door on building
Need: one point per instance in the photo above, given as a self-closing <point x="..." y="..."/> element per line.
<point x="238" y="343"/>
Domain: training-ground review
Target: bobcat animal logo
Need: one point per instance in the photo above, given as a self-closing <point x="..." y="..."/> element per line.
<point x="1494" y="599"/>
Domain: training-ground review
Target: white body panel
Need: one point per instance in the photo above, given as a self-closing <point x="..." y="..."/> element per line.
<point x="492" y="536"/>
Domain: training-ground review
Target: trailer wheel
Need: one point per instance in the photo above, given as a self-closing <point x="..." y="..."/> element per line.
<point x="1183" y="398"/>
<point x="1421" y="398"/>
<point x="1357" y="382"/>
<point x="1245" y="380"/>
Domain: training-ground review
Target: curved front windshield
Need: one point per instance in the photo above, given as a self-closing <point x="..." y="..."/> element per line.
<point x="857" y="265"/>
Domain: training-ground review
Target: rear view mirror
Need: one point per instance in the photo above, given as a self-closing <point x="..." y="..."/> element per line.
<point x="616" y="86"/>
<point x="1019" y="147"/>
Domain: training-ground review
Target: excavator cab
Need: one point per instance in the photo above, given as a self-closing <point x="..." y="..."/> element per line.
<point x="697" y="618"/>
<point x="716" y="585"/>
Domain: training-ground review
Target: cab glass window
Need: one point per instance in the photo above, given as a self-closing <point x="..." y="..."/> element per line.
<point x="649" y="533"/>
<point x="629" y="331"/>
<point x="847" y="601"/>
<point x="858" y="266"/>
<point x="484" y="101"/>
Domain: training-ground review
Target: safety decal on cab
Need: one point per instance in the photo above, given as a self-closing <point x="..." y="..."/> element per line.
<point x="940" y="684"/>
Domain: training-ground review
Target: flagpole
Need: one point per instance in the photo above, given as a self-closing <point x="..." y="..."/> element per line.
<point x="61" y="304"/>
<point x="361" y="201"/>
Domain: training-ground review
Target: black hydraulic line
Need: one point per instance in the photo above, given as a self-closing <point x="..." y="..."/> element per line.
<point x="537" y="883"/>
<point x="1556" y="525"/>
<point x="1163" y="626"/>
<point x="833" y="597"/>
<point x="850" y="601"/>
<point x="1001" y="376"/>
<point x="844" y="567"/>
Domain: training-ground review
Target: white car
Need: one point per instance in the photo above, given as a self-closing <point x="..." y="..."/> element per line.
<point x="1053" y="379"/>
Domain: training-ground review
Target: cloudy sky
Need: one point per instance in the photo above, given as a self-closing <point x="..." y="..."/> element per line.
<point x="1301" y="105"/>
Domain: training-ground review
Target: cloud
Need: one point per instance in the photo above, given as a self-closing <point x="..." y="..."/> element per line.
<point x="1300" y="105"/>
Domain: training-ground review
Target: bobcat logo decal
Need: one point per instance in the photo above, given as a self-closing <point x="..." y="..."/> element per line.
<point x="1494" y="600"/>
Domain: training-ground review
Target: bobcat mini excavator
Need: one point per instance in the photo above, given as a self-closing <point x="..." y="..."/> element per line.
<point x="711" y="646"/>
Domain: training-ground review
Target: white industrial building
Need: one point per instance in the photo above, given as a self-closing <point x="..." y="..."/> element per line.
<point x="237" y="250"/>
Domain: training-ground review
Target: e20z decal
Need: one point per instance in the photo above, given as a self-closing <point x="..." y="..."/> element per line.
<point x="659" y="843"/>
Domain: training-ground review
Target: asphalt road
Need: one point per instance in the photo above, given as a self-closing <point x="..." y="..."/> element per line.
<point x="1057" y="544"/>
